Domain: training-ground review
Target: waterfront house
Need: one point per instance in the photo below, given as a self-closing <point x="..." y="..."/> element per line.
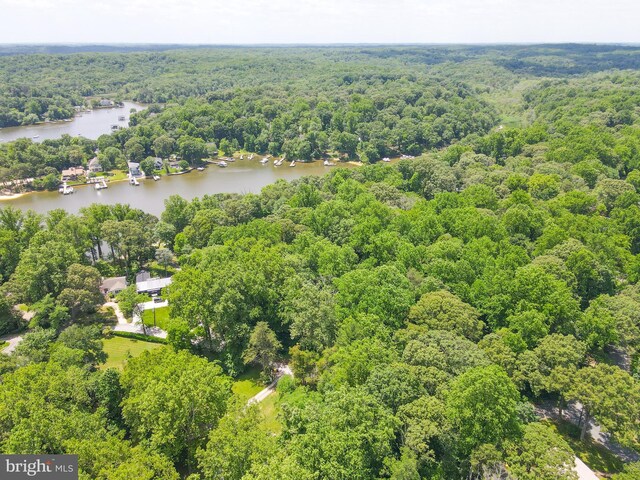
<point x="134" y="169"/>
<point x="157" y="163"/>
<point x="106" y="103"/>
<point x="94" y="165"/>
<point x="113" y="285"/>
<point x="72" y="173"/>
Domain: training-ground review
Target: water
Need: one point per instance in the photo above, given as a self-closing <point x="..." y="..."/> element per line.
<point x="242" y="176"/>
<point x="88" y="125"/>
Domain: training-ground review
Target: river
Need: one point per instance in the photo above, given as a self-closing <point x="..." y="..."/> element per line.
<point x="242" y="176"/>
<point x="89" y="125"/>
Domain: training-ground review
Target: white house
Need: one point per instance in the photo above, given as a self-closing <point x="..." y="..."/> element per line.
<point x="94" y="165"/>
<point x="153" y="285"/>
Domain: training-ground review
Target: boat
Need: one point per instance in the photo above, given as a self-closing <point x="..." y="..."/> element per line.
<point x="264" y="161"/>
<point x="386" y="159"/>
<point x="222" y="163"/>
<point x="293" y="163"/>
<point x="134" y="181"/>
<point x="156" y="178"/>
<point x="36" y="136"/>
<point x="65" y="189"/>
<point x="200" y="169"/>
<point x="251" y="157"/>
<point x="327" y="163"/>
<point x="241" y="157"/>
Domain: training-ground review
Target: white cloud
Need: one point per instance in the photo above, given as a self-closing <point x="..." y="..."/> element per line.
<point x="318" y="21"/>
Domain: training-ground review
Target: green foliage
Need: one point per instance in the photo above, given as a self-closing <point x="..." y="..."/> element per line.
<point x="541" y="454"/>
<point x="171" y="401"/>
<point x="482" y="407"/>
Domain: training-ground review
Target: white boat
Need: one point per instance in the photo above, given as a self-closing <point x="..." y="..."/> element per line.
<point x="386" y="159"/>
<point x="241" y="157"/>
<point x="134" y="181"/>
<point x="65" y="189"/>
<point x="101" y="185"/>
<point x="264" y="161"/>
<point x="327" y="163"/>
<point x="222" y="163"/>
<point x="293" y="163"/>
<point x="156" y="178"/>
<point x="251" y="157"/>
<point x="200" y="169"/>
<point x="36" y="136"/>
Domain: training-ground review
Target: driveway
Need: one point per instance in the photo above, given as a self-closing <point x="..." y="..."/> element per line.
<point x="584" y="472"/>
<point x="153" y="305"/>
<point x="260" y="396"/>
<point x="136" y="325"/>
<point x="13" y="339"/>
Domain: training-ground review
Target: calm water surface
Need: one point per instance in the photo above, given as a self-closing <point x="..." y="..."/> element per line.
<point x="89" y="125"/>
<point x="242" y="176"/>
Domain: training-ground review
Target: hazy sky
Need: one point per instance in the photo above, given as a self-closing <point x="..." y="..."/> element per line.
<point x="318" y="21"/>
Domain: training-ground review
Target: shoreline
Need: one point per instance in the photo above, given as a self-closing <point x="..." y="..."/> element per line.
<point x="15" y="196"/>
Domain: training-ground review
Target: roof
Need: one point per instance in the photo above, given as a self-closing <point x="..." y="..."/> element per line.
<point x="133" y="165"/>
<point x="94" y="161"/>
<point x="114" y="283"/>
<point x="142" y="275"/>
<point x="153" y="284"/>
<point x="73" y="171"/>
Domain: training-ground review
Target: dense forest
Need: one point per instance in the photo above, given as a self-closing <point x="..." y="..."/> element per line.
<point x="443" y="316"/>
<point x="359" y="103"/>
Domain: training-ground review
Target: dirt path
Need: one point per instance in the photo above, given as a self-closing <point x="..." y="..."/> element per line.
<point x="260" y="396"/>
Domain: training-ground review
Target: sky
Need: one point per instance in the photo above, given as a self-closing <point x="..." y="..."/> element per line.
<point x="319" y="21"/>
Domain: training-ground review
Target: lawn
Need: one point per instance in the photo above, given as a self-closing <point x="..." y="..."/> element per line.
<point x="269" y="408"/>
<point x="248" y="384"/>
<point x="597" y="457"/>
<point x="162" y="317"/>
<point x="118" y="350"/>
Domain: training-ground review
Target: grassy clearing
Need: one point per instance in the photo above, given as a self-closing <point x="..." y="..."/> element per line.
<point x="157" y="270"/>
<point x="595" y="456"/>
<point x="162" y="317"/>
<point x="248" y="384"/>
<point x="269" y="408"/>
<point x="118" y="349"/>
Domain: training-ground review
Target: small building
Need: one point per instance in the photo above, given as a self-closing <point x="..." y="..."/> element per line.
<point x="72" y="173"/>
<point x="157" y="163"/>
<point x="134" y="169"/>
<point x="113" y="285"/>
<point x="153" y="286"/>
<point x="106" y="103"/>
<point x="94" y="165"/>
